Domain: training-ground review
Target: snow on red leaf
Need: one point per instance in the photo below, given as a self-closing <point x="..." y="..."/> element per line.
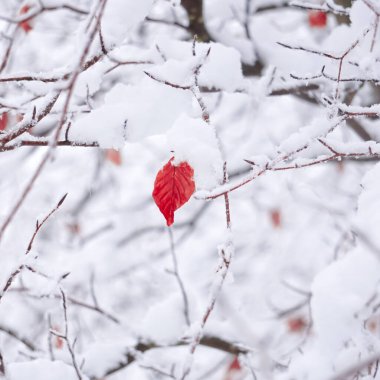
<point x="173" y="187"/>
<point x="25" y="24"/>
<point x="3" y="121"/>
<point x="317" y="19"/>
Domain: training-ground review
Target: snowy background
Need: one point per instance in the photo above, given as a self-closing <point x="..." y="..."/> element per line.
<point x="96" y="96"/>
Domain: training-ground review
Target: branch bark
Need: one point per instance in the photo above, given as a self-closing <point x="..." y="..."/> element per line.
<point x="209" y="341"/>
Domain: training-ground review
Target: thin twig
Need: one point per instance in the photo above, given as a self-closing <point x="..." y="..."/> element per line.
<point x="179" y="279"/>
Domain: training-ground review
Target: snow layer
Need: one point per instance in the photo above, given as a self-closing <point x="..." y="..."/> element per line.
<point x="40" y="369"/>
<point x="120" y="16"/>
<point x="194" y="141"/>
<point x="340" y="295"/>
<point x="146" y="109"/>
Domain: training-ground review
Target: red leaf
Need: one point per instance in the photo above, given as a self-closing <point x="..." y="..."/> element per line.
<point x="3" y="121"/>
<point x="235" y="365"/>
<point x="275" y="216"/>
<point x="297" y="324"/>
<point x="25" y="24"/>
<point x="114" y="156"/>
<point x="317" y="19"/>
<point x="233" y="369"/>
<point x="173" y="187"/>
<point x="58" y="341"/>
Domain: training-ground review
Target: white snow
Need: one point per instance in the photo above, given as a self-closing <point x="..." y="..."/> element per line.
<point x="41" y="369"/>
<point x="120" y="16"/>
<point x="194" y="141"/>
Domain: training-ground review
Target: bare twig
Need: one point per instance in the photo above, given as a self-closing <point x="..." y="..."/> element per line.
<point x="179" y="279"/>
<point x="65" y="109"/>
<point x="44" y="220"/>
<point x="65" y="337"/>
<point x="39" y="225"/>
<point x="206" y="341"/>
<point x="14" y="334"/>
